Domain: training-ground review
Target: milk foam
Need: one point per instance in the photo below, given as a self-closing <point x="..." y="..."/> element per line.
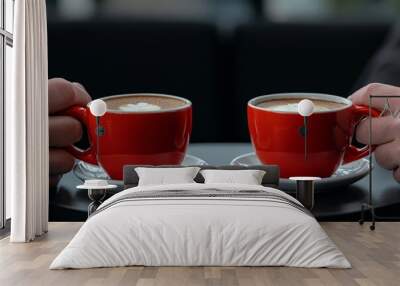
<point x="139" y="107"/>
<point x="293" y="107"/>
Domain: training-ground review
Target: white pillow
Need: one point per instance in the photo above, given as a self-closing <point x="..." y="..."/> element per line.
<point x="248" y="177"/>
<point x="165" y="176"/>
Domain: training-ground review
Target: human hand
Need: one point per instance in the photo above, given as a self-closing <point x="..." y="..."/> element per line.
<point x="63" y="130"/>
<point x="385" y="129"/>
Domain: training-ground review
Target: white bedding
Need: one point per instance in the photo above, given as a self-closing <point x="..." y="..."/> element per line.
<point x="225" y="231"/>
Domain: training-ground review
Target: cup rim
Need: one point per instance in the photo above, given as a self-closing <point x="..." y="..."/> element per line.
<point x="187" y="102"/>
<point x="310" y="95"/>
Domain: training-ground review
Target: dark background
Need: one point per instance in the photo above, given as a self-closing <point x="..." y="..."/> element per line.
<point x="218" y="54"/>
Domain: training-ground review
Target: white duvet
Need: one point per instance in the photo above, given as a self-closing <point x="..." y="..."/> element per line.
<point x="200" y="231"/>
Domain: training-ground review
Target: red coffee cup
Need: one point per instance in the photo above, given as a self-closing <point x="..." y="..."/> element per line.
<point x="157" y="137"/>
<point x="278" y="136"/>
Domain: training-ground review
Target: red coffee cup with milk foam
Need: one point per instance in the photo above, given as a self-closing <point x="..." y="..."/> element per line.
<point x="148" y="129"/>
<point x="277" y="133"/>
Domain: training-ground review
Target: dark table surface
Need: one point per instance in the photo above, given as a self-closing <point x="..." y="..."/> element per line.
<point x="342" y="203"/>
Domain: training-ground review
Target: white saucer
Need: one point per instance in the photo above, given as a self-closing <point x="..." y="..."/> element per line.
<point x="344" y="176"/>
<point x="85" y="171"/>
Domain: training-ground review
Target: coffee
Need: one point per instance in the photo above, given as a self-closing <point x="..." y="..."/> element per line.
<point x="291" y="105"/>
<point x="143" y="103"/>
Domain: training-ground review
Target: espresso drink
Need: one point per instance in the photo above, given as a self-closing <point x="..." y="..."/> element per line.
<point x="143" y="103"/>
<point x="291" y="104"/>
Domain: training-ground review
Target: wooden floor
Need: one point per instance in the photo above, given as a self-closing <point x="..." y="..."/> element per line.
<point x="375" y="257"/>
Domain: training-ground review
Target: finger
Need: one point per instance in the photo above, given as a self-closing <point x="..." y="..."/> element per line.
<point x="63" y="94"/>
<point x="79" y="85"/>
<point x="396" y="174"/>
<point x="388" y="155"/>
<point x="361" y="96"/>
<point x="60" y="161"/>
<point x="64" y="131"/>
<point x="384" y="129"/>
<point x="53" y="180"/>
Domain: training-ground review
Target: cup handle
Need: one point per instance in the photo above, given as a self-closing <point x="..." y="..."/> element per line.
<point x="353" y="153"/>
<point x="82" y="114"/>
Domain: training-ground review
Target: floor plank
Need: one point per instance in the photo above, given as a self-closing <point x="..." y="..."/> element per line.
<point x="375" y="257"/>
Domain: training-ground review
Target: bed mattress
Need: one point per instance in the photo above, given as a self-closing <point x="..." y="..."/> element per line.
<point x="201" y="225"/>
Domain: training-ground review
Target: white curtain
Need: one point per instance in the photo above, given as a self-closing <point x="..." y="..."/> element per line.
<point x="27" y="124"/>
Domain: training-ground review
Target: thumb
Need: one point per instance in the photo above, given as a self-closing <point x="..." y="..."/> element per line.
<point x="63" y="94"/>
<point x="362" y="96"/>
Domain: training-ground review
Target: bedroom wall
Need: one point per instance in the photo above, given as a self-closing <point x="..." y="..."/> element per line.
<point x="218" y="54"/>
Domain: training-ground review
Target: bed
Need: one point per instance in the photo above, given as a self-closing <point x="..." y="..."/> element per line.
<point x="201" y="224"/>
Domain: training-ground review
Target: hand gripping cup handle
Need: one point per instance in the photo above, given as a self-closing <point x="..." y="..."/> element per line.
<point x="353" y="153"/>
<point x="96" y="108"/>
<point x="89" y="155"/>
